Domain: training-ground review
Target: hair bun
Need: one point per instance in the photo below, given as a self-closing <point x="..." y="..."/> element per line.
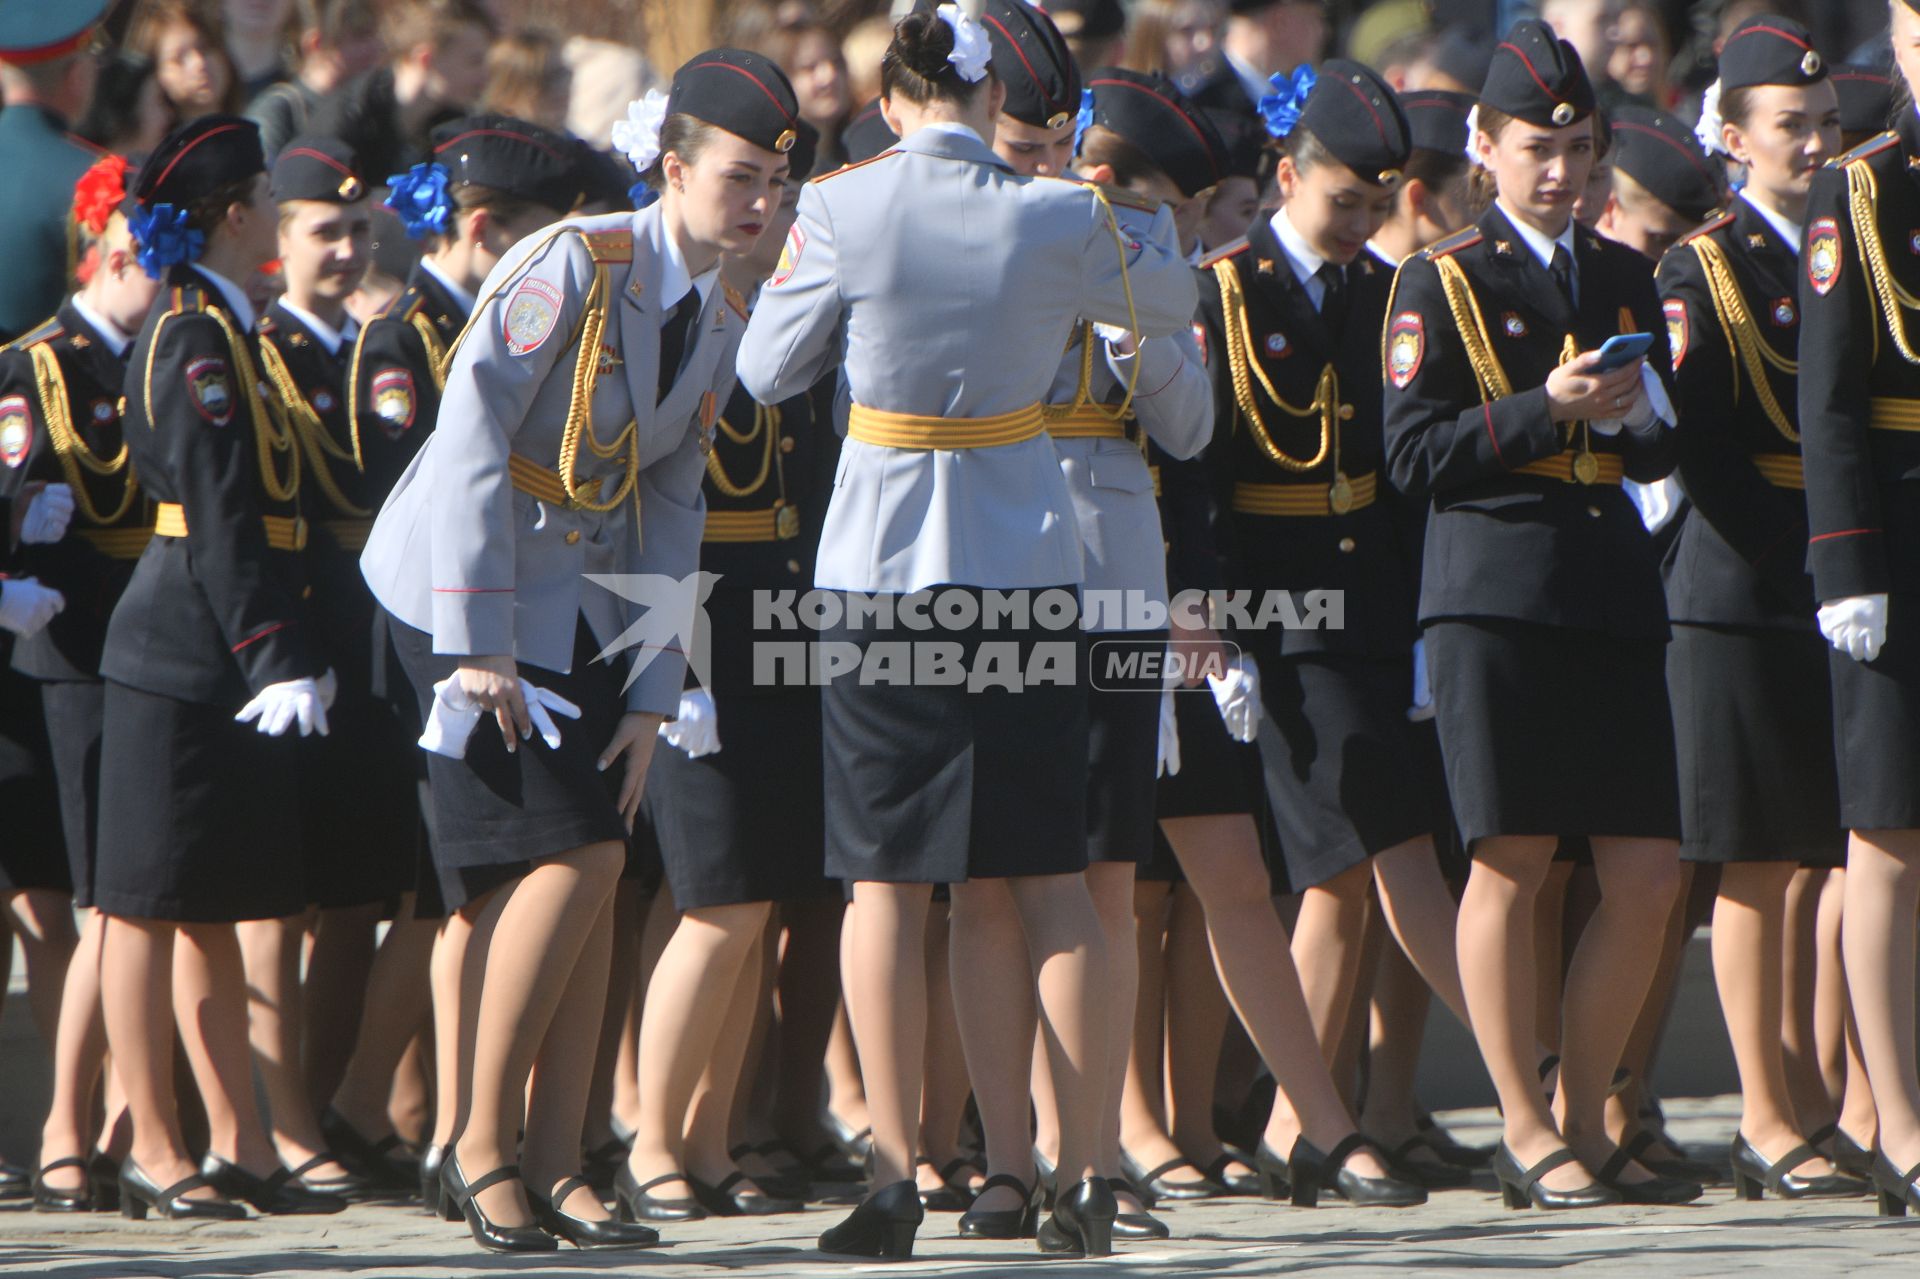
<point x="921" y="44"/>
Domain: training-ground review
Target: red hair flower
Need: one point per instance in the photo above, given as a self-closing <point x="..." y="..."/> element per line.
<point x="99" y="193"/>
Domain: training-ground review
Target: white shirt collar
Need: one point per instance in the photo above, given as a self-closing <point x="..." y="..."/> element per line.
<point x="1542" y="245"/>
<point x="464" y="297"/>
<point x="1789" y="231"/>
<point x="1305" y="262"/>
<point x="328" y="336"/>
<point x="1387" y="259"/>
<point x="674" y="281"/>
<point x="233" y="295"/>
<point x="117" y="341"/>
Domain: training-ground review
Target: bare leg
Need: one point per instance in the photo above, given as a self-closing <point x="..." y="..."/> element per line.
<point x="136" y="978"/>
<point x="884" y="973"/>
<point x="1111" y="886"/>
<point x="1398" y="1020"/>
<point x="709" y="1119"/>
<point x="337" y="992"/>
<point x="944" y="1103"/>
<point x="622" y="975"/>
<point x="79" y="1054"/>
<point x="1419" y="907"/>
<point x="1198" y="1017"/>
<point x="809" y="1008"/>
<point x="1326" y="950"/>
<point x="1803" y="978"/>
<point x="1143" y="1102"/>
<point x="210" y="997"/>
<point x="270" y="951"/>
<point x="398" y="1004"/>
<point x="1068" y="953"/>
<point x="1692" y="905"/>
<point x="1549" y="922"/>
<point x="43" y="924"/>
<point x="994" y="1003"/>
<point x="1882" y="895"/>
<point x="452" y="1018"/>
<point x="557" y="1098"/>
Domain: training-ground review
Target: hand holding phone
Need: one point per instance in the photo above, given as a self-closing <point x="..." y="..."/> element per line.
<point x="1623" y="350"/>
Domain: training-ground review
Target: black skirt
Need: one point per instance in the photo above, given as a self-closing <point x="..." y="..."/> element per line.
<point x="360" y="802"/>
<point x="1217" y="774"/>
<point x="198" y="817"/>
<point x="747" y="823"/>
<point x="1123" y="745"/>
<point x="1346" y="774"/>
<point x="1752" y="716"/>
<point x="930" y="783"/>
<point x="496" y="813"/>
<point x="1876" y="726"/>
<point x="33" y="853"/>
<point x="75" y="710"/>
<point x="1546" y="730"/>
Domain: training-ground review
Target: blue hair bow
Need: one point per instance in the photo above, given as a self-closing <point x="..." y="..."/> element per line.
<point x="1281" y="109"/>
<point x="641" y="195"/>
<point x="164" y="238"/>
<point x="420" y="197"/>
<point x="1084" y="120"/>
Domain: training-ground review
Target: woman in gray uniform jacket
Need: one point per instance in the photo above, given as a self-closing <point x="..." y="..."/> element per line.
<point x="562" y="481"/>
<point x="958" y="289"/>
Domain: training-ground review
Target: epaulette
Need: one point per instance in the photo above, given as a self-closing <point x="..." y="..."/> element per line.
<point x="1712" y="224"/>
<point x="1225" y="251"/>
<point x="735" y="299"/>
<point x="268" y="326"/>
<point x="1119" y="195"/>
<point x="1453" y="244"/>
<point x="1872" y="146"/>
<point x="857" y="164"/>
<point x="608" y="247"/>
<point x="47" y="330"/>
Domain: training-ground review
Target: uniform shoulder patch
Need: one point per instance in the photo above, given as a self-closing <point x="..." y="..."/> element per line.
<point x="16" y="431"/>
<point x="531" y="315"/>
<point x="1824" y="255"/>
<point x="1225" y="251"/>
<point x="1406" y="347"/>
<point x="210" y="388"/>
<point x="789" y="255"/>
<point x="1676" y="312"/>
<point x="608" y="246"/>
<point x="1871" y="147"/>
<point x="1453" y="244"/>
<point x="392" y="394"/>
<point x="45" y="331"/>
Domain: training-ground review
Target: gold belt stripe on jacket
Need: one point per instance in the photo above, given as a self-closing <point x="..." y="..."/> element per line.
<point x="1153" y="473"/>
<point x="1083" y="422"/>
<point x="536" y="481"/>
<point x="916" y="431"/>
<point x="284" y="533"/>
<point x="116" y="543"/>
<point x="1782" y="470"/>
<point x="1563" y="466"/>
<point x="1886" y="414"/>
<point x="1302" y="499"/>
<point x="774" y="524"/>
<point x="350" y="534"/>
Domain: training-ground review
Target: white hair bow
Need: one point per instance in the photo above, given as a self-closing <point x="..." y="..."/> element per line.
<point x="1707" y="131"/>
<point x="971" y="49"/>
<point x="638" y="136"/>
<point x="1473" y="136"/>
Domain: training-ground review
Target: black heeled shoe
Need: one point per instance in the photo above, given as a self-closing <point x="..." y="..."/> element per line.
<point x="1048" y="1176"/>
<point x="579" y="1231"/>
<point x="1850" y="1157"/>
<point x="1003" y="1223"/>
<point x="1310" y="1170"/>
<point x="49" y="1199"/>
<point x="781" y="1184"/>
<point x="637" y="1205"/>
<point x="602" y="1164"/>
<point x="856" y="1145"/>
<point x="139" y="1194"/>
<point x="1684" y="1169"/>
<point x="882" y="1227"/>
<point x="373" y="1161"/>
<point x="1152" y="1186"/>
<point x="1233" y="1183"/>
<point x="15" y="1182"/>
<point x="1439" y="1175"/>
<point x="1134" y="1225"/>
<point x="433" y="1192"/>
<point x="725" y="1200"/>
<point x="1441" y="1142"/>
<point x="350" y="1186"/>
<point x="486" y="1232"/>
<point x="103" y="1173"/>
<point x="277" y="1194"/>
<point x="1656" y="1191"/>
<point x="1753" y="1176"/>
<point x="1521" y="1188"/>
<point x="1895" y="1192"/>
<point x="1276" y="1180"/>
<point x="1082" y="1221"/>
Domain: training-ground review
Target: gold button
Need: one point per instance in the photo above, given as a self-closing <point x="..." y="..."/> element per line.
<point x="793" y="566"/>
<point x="1594" y="511"/>
<point x="1346" y="546"/>
<point x="573" y="535"/>
<point x="1346" y="412"/>
<point x="786" y="444"/>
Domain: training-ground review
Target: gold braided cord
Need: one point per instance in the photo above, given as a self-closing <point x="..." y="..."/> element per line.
<point x="1488" y="372"/>
<point x="313" y="434"/>
<point x="1885" y="293"/>
<point x="1743" y="336"/>
<point x="766" y="421"/>
<point x="74" y="455"/>
<point x="1244" y="369"/>
<point x="1118" y="414"/>
<point x="438" y="356"/>
<point x="272" y="431"/>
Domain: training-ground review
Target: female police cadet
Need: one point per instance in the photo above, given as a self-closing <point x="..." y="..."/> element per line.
<point x="1541" y="602"/>
<point x="194" y="829"/>
<point x="1858" y="387"/>
<point x="957" y="285"/>
<point x="539" y="472"/>
<point x="1747" y="669"/>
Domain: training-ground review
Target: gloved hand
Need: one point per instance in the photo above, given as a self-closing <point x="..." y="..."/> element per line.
<point x="1857" y="626"/>
<point x="329" y="687"/>
<point x="278" y="706"/>
<point x="454" y="715"/>
<point x="1237" y="694"/>
<point x="1422" y="708"/>
<point x="1168" y="763"/>
<point x="48" y="514"/>
<point x="26" y="606"/>
<point x="697" y="728"/>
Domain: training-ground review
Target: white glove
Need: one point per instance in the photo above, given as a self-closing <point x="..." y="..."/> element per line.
<point x="278" y="706"/>
<point x="329" y="688"/>
<point x="26" y="606"/>
<point x="1658" y="502"/>
<point x="454" y="716"/>
<point x="1168" y="763"/>
<point x="696" y="727"/>
<point x="1237" y="694"/>
<point x="1650" y="403"/>
<point x="1422" y="708"/>
<point x="48" y="515"/>
<point x="1857" y="626"/>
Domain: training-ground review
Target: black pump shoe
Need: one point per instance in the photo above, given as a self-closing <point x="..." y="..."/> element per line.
<point x="1233" y="1183"/>
<point x="433" y="1193"/>
<point x="788" y="1183"/>
<point x="1521" y="1188"/>
<point x="1151" y="1184"/>
<point x="579" y="1231"/>
<point x="637" y="1205"/>
<point x="1276" y="1180"/>
<point x="138" y="1193"/>
<point x="1003" y="1223"/>
<point x="487" y="1233"/>
<point x="376" y="1162"/>
<point x="1310" y="1171"/>
<point x="1441" y="1142"/>
<point x="724" y="1200"/>
<point x="1896" y="1193"/>
<point x="50" y="1199"/>
<point x="279" y="1193"/>
<point x="1082" y="1221"/>
<point x="1753" y="1176"/>
<point x="1134" y="1225"/>
<point x="1658" y="1190"/>
<point x="1850" y="1157"/>
<point x="882" y="1227"/>
<point x="1684" y="1169"/>
<point x="1434" y="1174"/>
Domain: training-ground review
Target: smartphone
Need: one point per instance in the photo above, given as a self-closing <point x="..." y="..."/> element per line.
<point x="1623" y="350"/>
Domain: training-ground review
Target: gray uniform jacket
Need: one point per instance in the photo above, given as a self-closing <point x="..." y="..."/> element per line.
<point x="488" y="570"/>
<point x="1111" y="487"/>
<point x="953" y="285"/>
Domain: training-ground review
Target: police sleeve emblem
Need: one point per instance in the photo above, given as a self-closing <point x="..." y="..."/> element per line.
<point x="1676" y="312"/>
<point x="210" y="387"/>
<point x="532" y="313"/>
<point x="393" y="401"/>
<point x="789" y="256"/>
<point x="1823" y="255"/>
<point x="1406" y="347"/>
<point x="16" y="430"/>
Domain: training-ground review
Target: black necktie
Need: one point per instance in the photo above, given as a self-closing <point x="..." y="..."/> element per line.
<point x="1563" y="275"/>
<point x="1333" y="296"/>
<point x="673" y="339"/>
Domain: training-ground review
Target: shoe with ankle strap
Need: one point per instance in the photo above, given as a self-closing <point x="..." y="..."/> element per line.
<point x="1521" y="1188"/>
<point x="580" y="1231"/>
<point x="488" y="1233"/>
<point x="1003" y="1223"/>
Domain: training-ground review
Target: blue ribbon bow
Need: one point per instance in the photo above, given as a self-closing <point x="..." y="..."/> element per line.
<point x="641" y="195"/>
<point x="1281" y="109"/>
<point x="419" y="196"/>
<point x="164" y="238"/>
<point x="1084" y="120"/>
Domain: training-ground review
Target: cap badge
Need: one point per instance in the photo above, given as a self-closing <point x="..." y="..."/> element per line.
<point x="1389" y="178"/>
<point x="350" y="188"/>
<point x="784" y="143"/>
<point x="1058" y="120"/>
<point x="1810" y="65"/>
<point x="1563" y="114"/>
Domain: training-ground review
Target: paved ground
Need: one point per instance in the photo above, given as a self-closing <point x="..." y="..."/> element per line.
<point x="1459" y="1232"/>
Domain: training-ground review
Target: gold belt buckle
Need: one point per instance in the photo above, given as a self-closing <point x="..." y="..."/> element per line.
<point x="786" y="522"/>
<point x="1340" y="494"/>
<point x="1586" y="467"/>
